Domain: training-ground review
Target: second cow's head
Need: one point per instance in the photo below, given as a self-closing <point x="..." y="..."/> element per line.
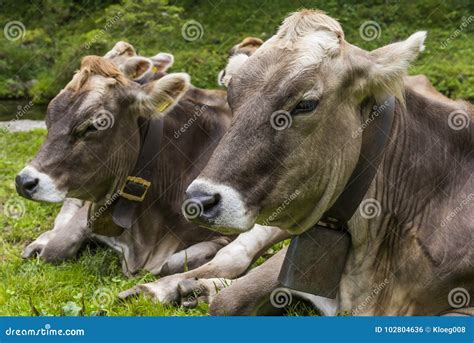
<point x="93" y="138"/>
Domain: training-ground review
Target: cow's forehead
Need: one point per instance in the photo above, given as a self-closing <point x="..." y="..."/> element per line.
<point x="279" y="62"/>
<point x="312" y="49"/>
<point x="98" y="90"/>
<point x="282" y="69"/>
<point x="73" y="104"/>
<point x="63" y="106"/>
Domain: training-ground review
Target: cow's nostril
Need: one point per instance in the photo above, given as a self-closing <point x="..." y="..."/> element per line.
<point x="200" y="205"/>
<point x="26" y="185"/>
<point x="30" y="185"/>
<point x="209" y="202"/>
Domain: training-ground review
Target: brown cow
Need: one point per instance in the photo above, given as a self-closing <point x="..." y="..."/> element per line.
<point x="234" y="259"/>
<point x="86" y="161"/>
<point x="65" y="239"/>
<point x="417" y="248"/>
<point x="139" y="68"/>
<point x="145" y="249"/>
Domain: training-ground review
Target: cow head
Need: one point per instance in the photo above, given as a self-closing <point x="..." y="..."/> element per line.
<point x="93" y="137"/>
<point x="291" y="148"/>
<point x="237" y="56"/>
<point x="139" y="68"/>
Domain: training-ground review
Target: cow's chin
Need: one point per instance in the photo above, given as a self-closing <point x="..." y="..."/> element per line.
<point x="50" y="197"/>
<point x="225" y="224"/>
<point x="227" y="230"/>
<point x="283" y="221"/>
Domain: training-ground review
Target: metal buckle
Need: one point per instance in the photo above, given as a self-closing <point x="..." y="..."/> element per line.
<point x="330" y="223"/>
<point x="138" y="180"/>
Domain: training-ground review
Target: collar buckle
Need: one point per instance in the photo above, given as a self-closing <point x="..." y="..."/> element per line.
<point x="134" y="188"/>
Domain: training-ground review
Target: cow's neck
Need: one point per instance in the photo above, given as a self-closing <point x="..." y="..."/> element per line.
<point x="160" y="228"/>
<point x="153" y="217"/>
<point x="399" y="255"/>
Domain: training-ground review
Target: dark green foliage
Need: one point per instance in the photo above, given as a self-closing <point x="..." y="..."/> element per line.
<point x="59" y="33"/>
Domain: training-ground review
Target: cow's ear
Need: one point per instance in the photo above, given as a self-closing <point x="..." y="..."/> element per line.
<point x="252" y="42"/>
<point x="389" y="64"/>
<point x="121" y="48"/>
<point x="235" y="63"/>
<point x="136" y="67"/>
<point x="162" y="62"/>
<point x="160" y="95"/>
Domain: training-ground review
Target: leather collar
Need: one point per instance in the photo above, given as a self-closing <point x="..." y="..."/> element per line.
<point x="374" y="139"/>
<point x="137" y="184"/>
<point x="316" y="259"/>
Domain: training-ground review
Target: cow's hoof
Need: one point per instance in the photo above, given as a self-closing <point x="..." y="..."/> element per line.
<point x="191" y="292"/>
<point x="37" y="246"/>
<point x="51" y="249"/>
<point x="164" y="291"/>
<point x="194" y="291"/>
<point x="192" y="257"/>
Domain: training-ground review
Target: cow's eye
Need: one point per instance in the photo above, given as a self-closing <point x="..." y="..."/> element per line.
<point x="84" y="128"/>
<point x="305" y="106"/>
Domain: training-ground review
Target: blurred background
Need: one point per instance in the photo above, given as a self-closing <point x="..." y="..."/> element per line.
<point x="38" y="58"/>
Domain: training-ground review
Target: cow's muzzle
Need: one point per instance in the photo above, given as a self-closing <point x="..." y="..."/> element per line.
<point x="201" y="207"/>
<point x="26" y="185"/>
<point x="217" y="207"/>
<point x="33" y="184"/>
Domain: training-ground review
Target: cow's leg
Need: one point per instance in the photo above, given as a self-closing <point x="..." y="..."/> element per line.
<point x="67" y="236"/>
<point x="260" y="293"/>
<point x="249" y="294"/>
<point x="230" y="262"/>
<point x="193" y="291"/>
<point x="193" y="257"/>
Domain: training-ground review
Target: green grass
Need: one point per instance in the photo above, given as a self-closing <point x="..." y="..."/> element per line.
<point x="32" y="287"/>
<point x="87" y="285"/>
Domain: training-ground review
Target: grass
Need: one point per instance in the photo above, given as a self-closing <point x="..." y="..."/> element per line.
<point x="89" y="284"/>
